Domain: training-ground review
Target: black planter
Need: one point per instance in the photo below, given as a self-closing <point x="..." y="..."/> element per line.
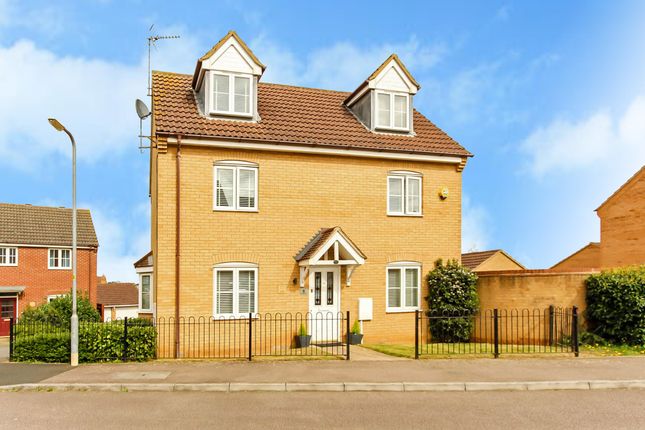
<point x="355" y="339"/>
<point x="303" y="341"/>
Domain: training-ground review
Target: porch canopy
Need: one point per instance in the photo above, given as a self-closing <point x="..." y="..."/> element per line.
<point x="329" y="247"/>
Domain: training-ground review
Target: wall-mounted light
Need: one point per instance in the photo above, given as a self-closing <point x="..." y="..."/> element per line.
<point x="444" y="193"/>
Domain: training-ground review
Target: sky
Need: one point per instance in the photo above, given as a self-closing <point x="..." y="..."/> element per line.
<point x="548" y="95"/>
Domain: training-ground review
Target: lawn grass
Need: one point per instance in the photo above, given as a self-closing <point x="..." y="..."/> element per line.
<point x="485" y="350"/>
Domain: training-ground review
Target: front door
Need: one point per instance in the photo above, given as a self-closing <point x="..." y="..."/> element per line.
<point x="7" y="311"/>
<point x="324" y="304"/>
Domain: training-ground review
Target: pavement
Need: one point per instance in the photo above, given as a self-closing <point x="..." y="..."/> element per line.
<point x="4" y="349"/>
<point x="550" y="410"/>
<point x="337" y="375"/>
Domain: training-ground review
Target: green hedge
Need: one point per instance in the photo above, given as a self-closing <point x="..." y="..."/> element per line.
<point x="96" y="342"/>
<point x="616" y="305"/>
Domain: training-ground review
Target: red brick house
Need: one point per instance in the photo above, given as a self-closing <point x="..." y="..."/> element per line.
<point x="36" y="257"/>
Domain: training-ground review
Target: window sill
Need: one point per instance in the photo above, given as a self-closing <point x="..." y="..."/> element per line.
<point x="233" y="317"/>
<point x="406" y="215"/>
<point x="400" y="310"/>
<point x="8" y="265"/>
<point x="236" y="210"/>
<point x="59" y="268"/>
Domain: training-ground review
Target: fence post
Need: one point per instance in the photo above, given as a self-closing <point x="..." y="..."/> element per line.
<point x="347" y="336"/>
<point x="574" y="331"/>
<point x="496" y="331"/>
<point x="551" y="323"/>
<point x="125" y="340"/>
<point x="250" y="336"/>
<point x="416" y="334"/>
<point x="11" y="334"/>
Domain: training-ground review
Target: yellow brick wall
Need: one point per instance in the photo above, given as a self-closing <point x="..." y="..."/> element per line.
<point x="622" y="226"/>
<point x="586" y="258"/>
<point x="298" y="194"/>
<point x="498" y="261"/>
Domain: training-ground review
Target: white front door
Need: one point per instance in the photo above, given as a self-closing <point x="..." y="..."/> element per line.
<point x="324" y="304"/>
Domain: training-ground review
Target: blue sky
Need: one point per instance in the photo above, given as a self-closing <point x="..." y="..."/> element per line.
<point x="549" y="96"/>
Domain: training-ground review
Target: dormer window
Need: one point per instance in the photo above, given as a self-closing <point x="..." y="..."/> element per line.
<point x="392" y="111"/>
<point x="226" y="79"/>
<point x="384" y="101"/>
<point x="231" y="94"/>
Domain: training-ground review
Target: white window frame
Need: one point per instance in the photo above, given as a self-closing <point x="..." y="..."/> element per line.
<point x="231" y="94"/>
<point x="391" y="126"/>
<point x="52" y="297"/>
<point x="235" y="268"/>
<point x="59" y="258"/>
<point x="7" y="255"/>
<point x="236" y="167"/>
<point x="405" y="177"/>
<point x="141" y="276"/>
<point x="402" y="266"/>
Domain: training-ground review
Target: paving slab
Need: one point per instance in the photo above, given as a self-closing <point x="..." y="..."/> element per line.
<point x="22" y="373"/>
<point x="314" y="371"/>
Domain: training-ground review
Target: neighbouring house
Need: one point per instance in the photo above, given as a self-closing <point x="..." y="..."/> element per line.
<point x="117" y="300"/>
<point x="272" y="198"/>
<point x="622" y="231"/>
<point x="145" y="298"/>
<point x="587" y="257"/>
<point x="36" y="256"/>
<point x="492" y="260"/>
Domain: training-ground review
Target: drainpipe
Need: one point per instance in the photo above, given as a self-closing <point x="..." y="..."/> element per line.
<point x="177" y="248"/>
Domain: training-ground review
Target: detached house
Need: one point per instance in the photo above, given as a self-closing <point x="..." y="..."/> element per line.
<point x="272" y="198"/>
<point x="36" y="257"/>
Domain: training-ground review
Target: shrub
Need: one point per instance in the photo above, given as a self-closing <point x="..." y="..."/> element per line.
<point x="356" y="328"/>
<point x="59" y="311"/>
<point x="616" y="305"/>
<point x="96" y="342"/>
<point x="452" y="292"/>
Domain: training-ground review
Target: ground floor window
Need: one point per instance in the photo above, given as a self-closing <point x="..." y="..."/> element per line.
<point x="145" y="293"/>
<point x="403" y="286"/>
<point x="235" y="289"/>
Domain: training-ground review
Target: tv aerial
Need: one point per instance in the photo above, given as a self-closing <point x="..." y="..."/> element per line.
<point x="142" y="109"/>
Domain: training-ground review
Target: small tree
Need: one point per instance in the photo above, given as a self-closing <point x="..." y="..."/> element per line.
<point x="453" y="295"/>
<point x="59" y="311"/>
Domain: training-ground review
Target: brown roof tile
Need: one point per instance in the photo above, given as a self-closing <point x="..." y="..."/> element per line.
<point x="473" y="259"/>
<point x="117" y="293"/>
<point x="145" y="261"/>
<point x="41" y="225"/>
<point x="290" y="115"/>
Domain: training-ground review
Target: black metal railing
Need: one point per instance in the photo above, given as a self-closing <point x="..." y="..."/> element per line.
<point x="252" y="335"/>
<point x="255" y="335"/>
<point x="497" y="331"/>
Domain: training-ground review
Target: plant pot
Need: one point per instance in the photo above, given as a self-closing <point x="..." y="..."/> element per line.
<point x="303" y="341"/>
<point x="355" y="339"/>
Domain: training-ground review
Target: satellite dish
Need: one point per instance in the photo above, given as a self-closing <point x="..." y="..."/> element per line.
<point x="142" y="109"/>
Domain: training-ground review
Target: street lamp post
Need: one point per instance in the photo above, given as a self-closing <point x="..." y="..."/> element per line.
<point x="74" y="322"/>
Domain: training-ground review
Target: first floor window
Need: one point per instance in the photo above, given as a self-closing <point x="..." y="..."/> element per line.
<point x="60" y="258"/>
<point x="145" y="301"/>
<point x="8" y="256"/>
<point x="236" y="187"/>
<point x="403" y="286"/>
<point x="235" y="290"/>
<point x="404" y="193"/>
<point x="52" y="297"/>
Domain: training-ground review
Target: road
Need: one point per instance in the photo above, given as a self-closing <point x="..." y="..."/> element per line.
<point x="489" y="410"/>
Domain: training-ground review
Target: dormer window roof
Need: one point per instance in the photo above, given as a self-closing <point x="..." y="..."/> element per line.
<point x="225" y="80"/>
<point x="383" y="102"/>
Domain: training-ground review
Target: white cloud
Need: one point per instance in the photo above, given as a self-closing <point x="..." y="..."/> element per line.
<point x="93" y="98"/>
<point x="475" y="227"/>
<point x="118" y="250"/>
<point x="594" y="143"/>
<point x="49" y="20"/>
<point x="341" y="66"/>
